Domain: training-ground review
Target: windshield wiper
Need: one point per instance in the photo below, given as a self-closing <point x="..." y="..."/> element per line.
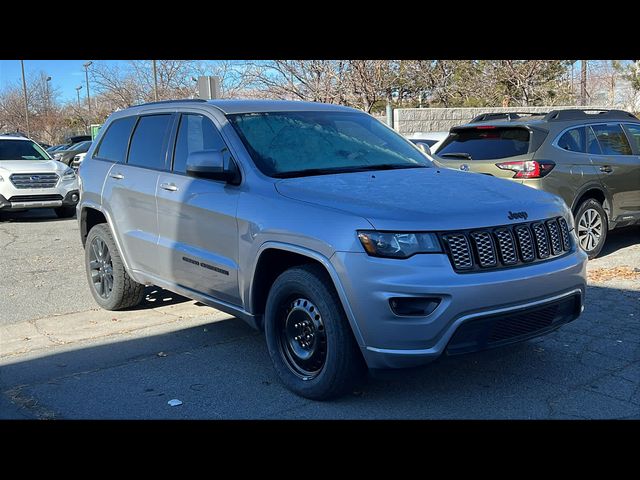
<point x="456" y="155"/>
<point x="329" y="171"/>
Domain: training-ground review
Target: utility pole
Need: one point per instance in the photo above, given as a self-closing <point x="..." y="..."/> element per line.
<point x="24" y="90"/>
<point x="155" y="81"/>
<point x="86" y="74"/>
<point x="583" y="84"/>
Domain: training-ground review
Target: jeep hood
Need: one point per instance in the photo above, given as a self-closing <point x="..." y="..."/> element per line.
<point x="424" y="198"/>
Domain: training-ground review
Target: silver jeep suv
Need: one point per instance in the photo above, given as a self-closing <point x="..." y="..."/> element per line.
<point x="326" y="229"/>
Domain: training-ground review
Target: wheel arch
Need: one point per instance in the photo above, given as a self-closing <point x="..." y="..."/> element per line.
<point x="597" y="193"/>
<point x="273" y="258"/>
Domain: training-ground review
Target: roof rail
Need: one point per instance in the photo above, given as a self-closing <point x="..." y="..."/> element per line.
<point x="581" y="114"/>
<point x="487" y="117"/>
<point x="162" y="102"/>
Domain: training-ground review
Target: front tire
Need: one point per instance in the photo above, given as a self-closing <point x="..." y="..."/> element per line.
<point x="110" y="284"/>
<point x="591" y="227"/>
<point x="308" y="335"/>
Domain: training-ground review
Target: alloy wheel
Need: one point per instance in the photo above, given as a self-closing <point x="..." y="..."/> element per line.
<point x="590" y="229"/>
<point x="101" y="267"/>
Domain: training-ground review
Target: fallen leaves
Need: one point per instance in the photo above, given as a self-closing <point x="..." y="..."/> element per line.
<point x="618" y="273"/>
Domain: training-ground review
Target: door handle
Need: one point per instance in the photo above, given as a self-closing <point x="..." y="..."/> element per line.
<point x="169" y="186"/>
<point x="606" y="169"/>
<point x="117" y="176"/>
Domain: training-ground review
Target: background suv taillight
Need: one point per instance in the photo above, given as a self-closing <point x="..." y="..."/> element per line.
<point x="528" y="168"/>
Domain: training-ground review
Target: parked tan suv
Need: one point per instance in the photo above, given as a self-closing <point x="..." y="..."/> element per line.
<point x="590" y="158"/>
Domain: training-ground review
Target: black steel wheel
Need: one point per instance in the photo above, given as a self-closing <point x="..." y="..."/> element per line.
<point x="309" y="338"/>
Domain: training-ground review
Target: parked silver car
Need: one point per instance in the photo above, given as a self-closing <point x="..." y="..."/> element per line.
<point x="325" y="228"/>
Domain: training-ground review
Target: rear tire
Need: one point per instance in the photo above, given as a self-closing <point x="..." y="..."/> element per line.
<point x="110" y="284"/>
<point x="65" y="212"/>
<point x="591" y="227"/>
<point x="309" y="337"/>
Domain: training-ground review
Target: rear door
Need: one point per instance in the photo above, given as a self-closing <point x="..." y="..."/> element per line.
<point x="131" y="191"/>
<point x="617" y="167"/>
<point x="479" y="148"/>
<point x="198" y="242"/>
<point x="633" y="134"/>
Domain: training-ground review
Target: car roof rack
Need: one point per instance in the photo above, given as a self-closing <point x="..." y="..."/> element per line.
<point x="163" y="102"/>
<point x="487" y="117"/>
<point x="582" y="114"/>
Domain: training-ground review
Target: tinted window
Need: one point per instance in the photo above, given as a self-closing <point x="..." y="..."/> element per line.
<point x="573" y="140"/>
<point x="485" y="143"/>
<point x="290" y="144"/>
<point x="634" y="135"/>
<point x="114" y="143"/>
<point x="593" y="146"/>
<point x="21" y="150"/>
<point x="195" y="133"/>
<point x="148" y="144"/>
<point x="612" y="140"/>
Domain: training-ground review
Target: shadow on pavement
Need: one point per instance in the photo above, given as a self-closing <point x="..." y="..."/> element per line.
<point x="155" y="297"/>
<point x="619" y="239"/>
<point x="586" y="369"/>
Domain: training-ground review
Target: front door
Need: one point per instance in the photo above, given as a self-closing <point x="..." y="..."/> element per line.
<point x="198" y="241"/>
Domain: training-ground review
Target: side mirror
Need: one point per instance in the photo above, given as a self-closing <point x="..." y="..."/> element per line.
<point x="424" y="148"/>
<point x="213" y="165"/>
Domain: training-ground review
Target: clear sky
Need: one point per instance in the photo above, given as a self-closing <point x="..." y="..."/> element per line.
<point x="65" y="75"/>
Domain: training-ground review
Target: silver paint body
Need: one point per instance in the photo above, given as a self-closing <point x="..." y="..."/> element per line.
<point x="229" y="227"/>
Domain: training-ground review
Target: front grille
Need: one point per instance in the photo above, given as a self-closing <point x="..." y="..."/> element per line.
<point x="502" y="329"/>
<point x="34" y="180"/>
<point x="35" y="198"/>
<point x="507" y="246"/>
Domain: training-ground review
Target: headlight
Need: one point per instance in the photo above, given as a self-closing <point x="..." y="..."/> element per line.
<point x="56" y="156"/>
<point x="69" y="174"/>
<point x="398" y="245"/>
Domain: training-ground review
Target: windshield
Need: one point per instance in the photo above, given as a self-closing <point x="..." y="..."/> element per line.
<point x="485" y="143"/>
<point x="292" y="144"/>
<point x="21" y="150"/>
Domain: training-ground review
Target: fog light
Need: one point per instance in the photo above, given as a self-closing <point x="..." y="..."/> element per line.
<point x="74" y="197"/>
<point x="413" y="306"/>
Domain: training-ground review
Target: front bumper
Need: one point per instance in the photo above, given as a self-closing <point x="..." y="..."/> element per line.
<point x="392" y="341"/>
<point x="41" y="200"/>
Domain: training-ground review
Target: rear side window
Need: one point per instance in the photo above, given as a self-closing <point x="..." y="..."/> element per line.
<point x="195" y="133"/>
<point x="148" y="144"/>
<point x="612" y="139"/>
<point x="114" y="143"/>
<point x="573" y="140"/>
<point x="486" y="143"/>
<point x="593" y="147"/>
<point x="634" y="135"/>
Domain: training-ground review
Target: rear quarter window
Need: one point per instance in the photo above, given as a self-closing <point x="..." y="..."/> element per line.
<point x="116" y="139"/>
<point x="486" y="143"/>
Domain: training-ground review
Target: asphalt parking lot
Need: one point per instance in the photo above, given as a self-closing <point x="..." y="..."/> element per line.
<point x="62" y="357"/>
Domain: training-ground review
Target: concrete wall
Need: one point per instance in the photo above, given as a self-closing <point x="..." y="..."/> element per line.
<point x="411" y="120"/>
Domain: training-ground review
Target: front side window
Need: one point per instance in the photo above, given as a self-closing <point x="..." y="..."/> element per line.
<point x="21" y="150"/>
<point x="292" y="144"/>
<point x="115" y="141"/>
<point x="148" y="144"/>
<point x="573" y="140"/>
<point x="612" y="139"/>
<point x="196" y="132"/>
<point x="485" y="143"/>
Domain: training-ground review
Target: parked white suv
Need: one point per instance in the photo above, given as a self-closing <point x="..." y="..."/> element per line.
<point x="30" y="178"/>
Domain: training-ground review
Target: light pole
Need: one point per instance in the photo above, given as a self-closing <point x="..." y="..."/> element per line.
<point x="48" y="93"/>
<point x="86" y="75"/>
<point x="24" y="90"/>
<point x="155" y="81"/>
<point x="78" y="88"/>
